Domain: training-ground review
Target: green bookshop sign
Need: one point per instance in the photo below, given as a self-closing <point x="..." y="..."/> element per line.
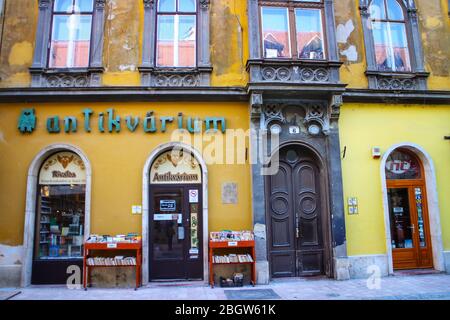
<point x="108" y="121"/>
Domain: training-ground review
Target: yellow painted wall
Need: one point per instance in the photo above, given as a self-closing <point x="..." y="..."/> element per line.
<point x="122" y="51"/>
<point x="363" y="126"/>
<point x="117" y="161"/>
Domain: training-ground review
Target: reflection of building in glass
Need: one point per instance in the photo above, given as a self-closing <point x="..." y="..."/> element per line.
<point x="310" y="45"/>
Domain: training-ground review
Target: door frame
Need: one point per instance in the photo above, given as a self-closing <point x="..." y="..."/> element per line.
<point x="146" y="203"/>
<point x="185" y="203"/>
<point x="325" y="206"/>
<point x="431" y="199"/>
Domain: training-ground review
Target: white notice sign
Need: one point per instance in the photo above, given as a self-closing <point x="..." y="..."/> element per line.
<point x="193" y="196"/>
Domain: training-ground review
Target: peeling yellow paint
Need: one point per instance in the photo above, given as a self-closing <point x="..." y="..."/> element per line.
<point x="21" y="54"/>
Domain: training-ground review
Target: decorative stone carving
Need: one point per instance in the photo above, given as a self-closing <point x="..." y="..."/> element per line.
<point x="66" y="80"/>
<point x="295" y="74"/>
<point x="204" y="4"/>
<point x="176" y="80"/>
<point x="393" y="83"/>
<point x="313" y="117"/>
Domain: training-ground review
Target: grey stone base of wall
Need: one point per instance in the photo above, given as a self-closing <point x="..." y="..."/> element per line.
<point x="262" y="272"/>
<point x="10" y="276"/>
<point x="341" y="268"/>
<point x="363" y="266"/>
<point x="447" y="261"/>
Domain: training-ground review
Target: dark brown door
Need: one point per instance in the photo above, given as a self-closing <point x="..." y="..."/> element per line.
<point x="174" y="254"/>
<point x="296" y="241"/>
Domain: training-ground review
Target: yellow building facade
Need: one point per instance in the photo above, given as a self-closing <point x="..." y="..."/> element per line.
<point x="344" y="126"/>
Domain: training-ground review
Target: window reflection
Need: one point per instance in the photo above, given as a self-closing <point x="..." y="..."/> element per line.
<point x="389" y="33"/>
<point x="309" y="34"/>
<point x="71" y="34"/>
<point x="275" y="26"/>
<point x="401" y="225"/>
<point x="176" y="34"/>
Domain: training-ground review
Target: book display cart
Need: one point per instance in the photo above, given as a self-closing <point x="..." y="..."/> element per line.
<point x="99" y="261"/>
<point x="219" y="243"/>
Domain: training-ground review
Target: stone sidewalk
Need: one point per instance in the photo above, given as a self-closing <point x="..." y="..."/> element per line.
<point x="417" y="287"/>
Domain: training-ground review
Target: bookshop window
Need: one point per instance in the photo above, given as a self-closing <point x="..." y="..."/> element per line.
<point x="71" y="33"/>
<point x="61" y="207"/>
<point x="176" y="34"/>
<point x="293" y="29"/>
<point x="389" y="31"/>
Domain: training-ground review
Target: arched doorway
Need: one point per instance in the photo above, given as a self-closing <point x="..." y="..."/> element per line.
<point x="408" y="211"/>
<point x="57" y="214"/>
<point x="175" y="215"/>
<point x="296" y="214"/>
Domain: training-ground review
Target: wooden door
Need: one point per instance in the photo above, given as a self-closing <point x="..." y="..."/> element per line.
<point x="172" y="254"/>
<point x="408" y="212"/>
<point x="294" y="216"/>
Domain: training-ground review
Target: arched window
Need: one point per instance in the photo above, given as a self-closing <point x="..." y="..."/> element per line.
<point x="389" y="33"/>
<point x="60" y="217"/>
<point x="393" y="45"/>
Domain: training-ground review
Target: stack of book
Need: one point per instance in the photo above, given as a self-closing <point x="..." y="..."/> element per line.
<point x="233" y="258"/>
<point x="228" y="235"/>
<point x="129" y="238"/>
<point x="116" y="261"/>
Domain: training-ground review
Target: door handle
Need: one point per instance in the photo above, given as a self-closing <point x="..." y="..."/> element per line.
<point x="297" y="227"/>
<point x="412" y="227"/>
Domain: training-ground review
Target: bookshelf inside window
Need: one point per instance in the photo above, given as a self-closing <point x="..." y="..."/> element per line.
<point x="225" y="252"/>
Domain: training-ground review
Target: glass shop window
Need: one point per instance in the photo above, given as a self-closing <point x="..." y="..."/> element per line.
<point x="389" y="34"/>
<point x="60" y="208"/>
<point x="292" y="30"/>
<point x="71" y="34"/>
<point x="402" y="165"/>
<point x="176" y="35"/>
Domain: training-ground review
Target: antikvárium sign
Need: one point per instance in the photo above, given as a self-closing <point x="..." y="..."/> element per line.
<point x="108" y="121"/>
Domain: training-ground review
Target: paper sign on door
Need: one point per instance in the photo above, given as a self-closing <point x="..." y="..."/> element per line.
<point x="193" y="196"/>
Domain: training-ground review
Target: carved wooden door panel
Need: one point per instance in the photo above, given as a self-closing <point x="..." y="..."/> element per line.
<point x="295" y="241"/>
<point x="309" y="235"/>
<point x="281" y="217"/>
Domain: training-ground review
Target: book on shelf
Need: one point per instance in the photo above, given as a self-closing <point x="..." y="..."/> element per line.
<point x="228" y="235"/>
<point x="233" y="258"/>
<point x="105" y="261"/>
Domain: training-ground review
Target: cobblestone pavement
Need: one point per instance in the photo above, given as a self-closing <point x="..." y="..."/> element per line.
<point x="418" y="287"/>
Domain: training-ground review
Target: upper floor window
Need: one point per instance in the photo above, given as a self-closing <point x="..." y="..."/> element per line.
<point x="390" y="36"/>
<point x="71" y="34"/>
<point x="176" y="34"/>
<point x="293" y="29"/>
<point x="69" y="44"/>
<point x="175" y="47"/>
